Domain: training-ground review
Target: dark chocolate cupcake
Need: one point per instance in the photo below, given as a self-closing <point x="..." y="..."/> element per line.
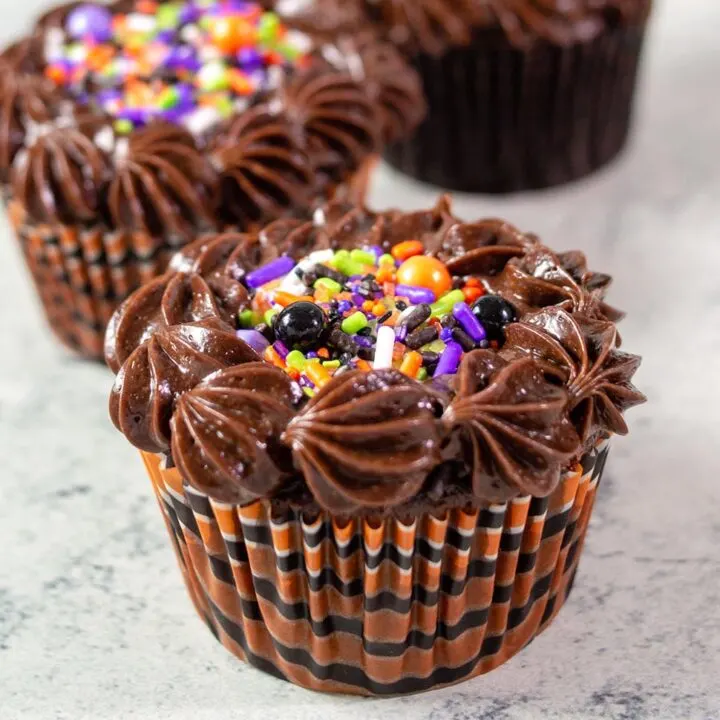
<point x="375" y="439"/>
<point x="128" y="130"/>
<point x="522" y="94"/>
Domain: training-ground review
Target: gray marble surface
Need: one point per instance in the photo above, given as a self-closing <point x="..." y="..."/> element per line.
<point x="94" y="621"/>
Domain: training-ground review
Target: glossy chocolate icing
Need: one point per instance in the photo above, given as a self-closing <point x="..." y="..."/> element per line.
<point x="292" y="143"/>
<point x="510" y="422"/>
<point x="434" y="25"/>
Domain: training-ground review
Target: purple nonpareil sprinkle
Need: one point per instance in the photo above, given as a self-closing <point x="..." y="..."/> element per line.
<point x="401" y="332"/>
<point x="377" y="251"/>
<point x="449" y="360"/>
<point x="446" y="334"/>
<point x="469" y="323"/>
<point x="254" y="339"/>
<point x="269" y="272"/>
<point x="306" y="382"/>
<point x="282" y="351"/>
<point x="414" y="294"/>
<point x="311" y="354"/>
<point x="344" y="306"/>
<point x="358" y="299"/>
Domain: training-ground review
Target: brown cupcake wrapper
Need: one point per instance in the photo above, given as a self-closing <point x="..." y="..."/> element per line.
<point x="82" y="274"/>
<point x="504" y="120"/>
<point x="378" y="606"/>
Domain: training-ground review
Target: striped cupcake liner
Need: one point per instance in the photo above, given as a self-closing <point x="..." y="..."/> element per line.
<point x="378" y="606"/>
<point x="505" y="120"/>
<point x="83" y="274"/>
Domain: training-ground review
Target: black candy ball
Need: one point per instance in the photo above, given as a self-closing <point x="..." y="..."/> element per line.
<point x="494" y="313"/>
<point x="300" y="325"/>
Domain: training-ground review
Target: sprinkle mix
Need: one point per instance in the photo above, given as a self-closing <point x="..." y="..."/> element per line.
<point x="365" y="309"/>
<point x="190" y="61"/>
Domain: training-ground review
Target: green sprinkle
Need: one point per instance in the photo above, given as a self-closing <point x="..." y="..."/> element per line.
<point x="168" y="16"/>
<point x="386" y="260"/>
<point x="308" y="391"/>
<point x="332" y="364"/>
<point x="123" y="127"/>
<point x="296" y="359"/>
<point x="331" y="286"/>
<point x="445" y="304"/>
<point x="354" y="323"/>
<point x="269" y="315"/>
<point x="422" y="374"/>
<point x="436" y="346"/>
<point x="363" y="257"/>
<point x="247" y="319"/>
<point x="168" y="98"/>
<point x="268" y="27"/>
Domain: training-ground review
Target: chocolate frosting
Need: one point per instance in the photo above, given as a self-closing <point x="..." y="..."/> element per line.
<point x="434" y="25"/>
<point x="540" y="278"/>
<point x="511" y="421"/>
<point x="289" y="145"/>
<point x="339" y="116"/>
<point x="264" y="168"/>
<point x="367" y="441"/>
<point x="164" y="185"/>
<point x="225" y="432"/>
<point x="581" y="352"/>
<point x="514" y="424"/>
<point x="60" y="178"/>
<point x="25" y="101"/>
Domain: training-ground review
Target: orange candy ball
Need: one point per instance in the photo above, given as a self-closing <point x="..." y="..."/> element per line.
<point x="427" y="272"/>
<point x="231" y="33"/>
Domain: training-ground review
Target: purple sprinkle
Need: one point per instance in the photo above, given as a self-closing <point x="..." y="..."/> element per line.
<point x="249" y="59"/>
<point x="189" y="13"/>
<point x="306" y="382"/>
<point x="449" y="360"/>
<point x="362" y="340"/>
<point x="358" y="299"/>
<point x="282" y="351"/>
<point x="353" y="278"/>
<point x="414" y="294"/>
<point x="344" y="306"/>
<point x="401" y="332"/>
<point x="311" y="354"/>
<point x="270" y="271"/>
<point x="377" y="251"/>
<point x="446" y="334"/>
<point x="165" y="36"/>
<point x="470" y="324"/>
<point x="254" y="339"/>
<point x="137" y="116"/>
<point x="89" y="21"/>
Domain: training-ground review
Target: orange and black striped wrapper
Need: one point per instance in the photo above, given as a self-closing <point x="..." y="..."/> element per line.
<point x="379" y="606"/>
<point x="82" y="274"/>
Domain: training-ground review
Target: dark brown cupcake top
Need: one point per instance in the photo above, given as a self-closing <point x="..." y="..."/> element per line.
<point x="214" y="115"/>
<point x="371" y="362"/>
<point x="435" y="25"/>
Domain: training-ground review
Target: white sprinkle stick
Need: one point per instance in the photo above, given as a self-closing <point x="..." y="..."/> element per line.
<point x="384" y="348"/>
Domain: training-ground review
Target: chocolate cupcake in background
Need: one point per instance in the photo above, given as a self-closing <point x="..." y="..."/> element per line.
<point x="375" y="438"/>
<point x="522" y="94"/>
<point x="127" y="130"/>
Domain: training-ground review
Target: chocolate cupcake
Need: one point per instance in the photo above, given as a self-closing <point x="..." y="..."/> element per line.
<point x="375" y="439"/>
<point x="128" y="130"/>
<point x="522" y="94"/>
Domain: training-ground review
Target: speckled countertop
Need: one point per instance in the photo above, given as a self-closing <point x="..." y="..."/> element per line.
<point x="94" y="620"/>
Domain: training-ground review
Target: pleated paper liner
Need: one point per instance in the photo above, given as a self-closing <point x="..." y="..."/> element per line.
<point x="379" y="607"/>
<point x="82" y="274"/>
<point x="503" y="120"/>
